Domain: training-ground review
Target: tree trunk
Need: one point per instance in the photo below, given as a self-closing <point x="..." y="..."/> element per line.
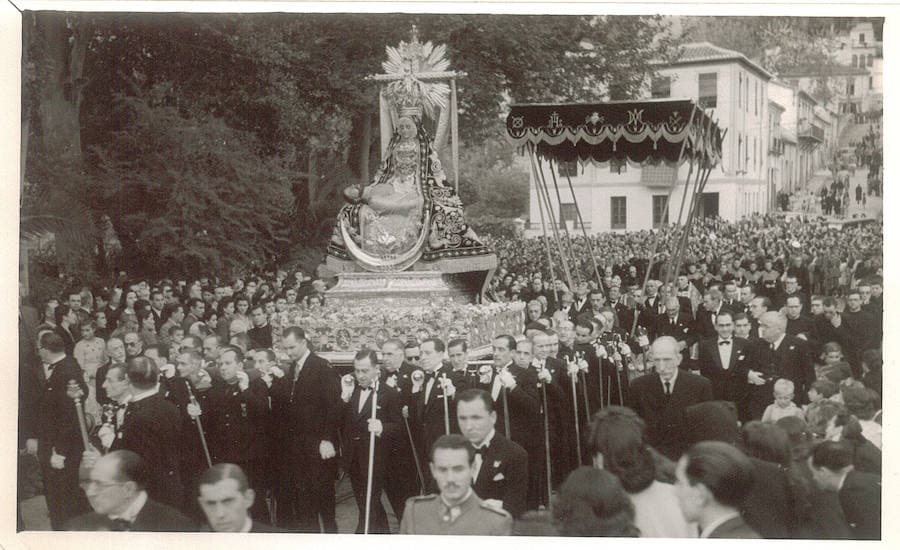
<point x="63" y="40"/>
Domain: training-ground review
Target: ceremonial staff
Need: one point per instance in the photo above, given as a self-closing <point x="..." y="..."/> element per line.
<point x="547" y="440"/>
<point x="417" y="377"/>
<point x="371" y="455"/>
<point x="446" y="404"/>
<point x="75" y="393"/>
<point x="572" y="375"/>
<point x="505" y="408"/>
<point x="579" y="356"/>
<point x="199" y="424"/>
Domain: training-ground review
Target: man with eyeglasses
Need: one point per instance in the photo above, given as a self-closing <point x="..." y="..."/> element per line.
<point x="116" y="490"/>
<point x="134" y="347"/>
<point x="412" y="353"/>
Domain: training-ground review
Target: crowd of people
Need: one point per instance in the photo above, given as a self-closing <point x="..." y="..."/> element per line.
<point x="740" y="400"/>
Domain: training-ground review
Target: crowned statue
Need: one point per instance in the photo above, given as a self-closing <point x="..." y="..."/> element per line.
<point x="409" y="217"/>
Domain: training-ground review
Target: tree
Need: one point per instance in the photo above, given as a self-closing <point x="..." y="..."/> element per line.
<point x="194" y="195"/>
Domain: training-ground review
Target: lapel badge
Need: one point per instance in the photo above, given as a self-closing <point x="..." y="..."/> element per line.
<point x="496" y="464"/>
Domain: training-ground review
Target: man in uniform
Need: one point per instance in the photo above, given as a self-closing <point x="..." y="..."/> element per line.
<point x="457" y="510"/>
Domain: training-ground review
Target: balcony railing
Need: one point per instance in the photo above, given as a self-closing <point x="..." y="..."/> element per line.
<point x="811" y="131"/>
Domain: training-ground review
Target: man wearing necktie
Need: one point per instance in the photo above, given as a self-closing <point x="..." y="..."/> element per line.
<point x="677" y="324"/>
<point x="719" y="359"/>
<point x="775" y="355"/>
<point x="306" y="405"/>
<point x="116" y="489"/>
<point x="55" y="437"/>
<point x="358" y="426"/>
<point x="661" y="397"/>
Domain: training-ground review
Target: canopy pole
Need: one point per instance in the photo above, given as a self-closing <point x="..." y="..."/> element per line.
<point x="568" y="238"/>
<point x="665" y="210"/>
<point x="454" y="134"/>
<point x="685" y="232"/>
<point x="544" y="227"/>
<point x="546" y="195"/>
<point x="584" y="232"/>
<point x="697" y="196"/>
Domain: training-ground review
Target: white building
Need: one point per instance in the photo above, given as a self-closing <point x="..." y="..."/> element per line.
<point x="734" y="91"/>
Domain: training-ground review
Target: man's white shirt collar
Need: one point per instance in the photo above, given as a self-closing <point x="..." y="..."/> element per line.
<point x="707" y="531"/>
<point x="487" y="440"/>
<point x="145" y="394"/>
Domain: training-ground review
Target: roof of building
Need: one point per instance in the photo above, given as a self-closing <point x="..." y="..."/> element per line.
<point x="703" y="52"/>
<point x="773" y="103"/>
<point x="834" y="69"/>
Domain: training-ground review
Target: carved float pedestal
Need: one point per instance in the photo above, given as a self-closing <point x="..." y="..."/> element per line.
<point x="401" y="289"/>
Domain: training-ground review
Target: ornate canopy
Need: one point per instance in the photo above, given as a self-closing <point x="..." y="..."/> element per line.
<point x="641" y="132"/>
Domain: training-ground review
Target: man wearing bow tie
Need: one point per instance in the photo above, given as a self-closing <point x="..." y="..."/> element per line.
<point x="306" y="406"/>
<point x="500" y="473"/>
<point x="358" y="427"/>
<point x="720" y="358"/>
<point x="54" y="436"/>
<point x="116" y="489"/>
<point x="426" y="410"/>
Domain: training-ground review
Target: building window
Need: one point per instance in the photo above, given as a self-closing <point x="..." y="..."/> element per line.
<point x="738" y="158"/>
<point x="755" y="98"/>
<point x="740" y="88"/>
<point x="660" y="213"/>
<point x="862" y="38"/>
<point x="617" y="213"/>
<point x="568" y="168"/>
<point x="567" y="213"/>
<point x="871" y="83"/>
<point x="869" y="60"/>
<point x="707" y="90"/>
<point x="851" y="89"/>
<point x="853" y="61"/>
<point x="661" y="87"/>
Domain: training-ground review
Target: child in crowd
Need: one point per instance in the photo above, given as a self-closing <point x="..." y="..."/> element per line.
<point x="821" y="389"/>
<point x="784" y="402"/>
<point x="833" y="366"/>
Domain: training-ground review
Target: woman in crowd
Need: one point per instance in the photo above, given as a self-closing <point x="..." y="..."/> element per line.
<point x="592" y="503"/>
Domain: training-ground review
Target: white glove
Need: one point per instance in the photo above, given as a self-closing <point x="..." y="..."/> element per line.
<point x="107" y="435"/>
<point x="376" y="427"/>
<point x="572" y="368"/>
<point x="204" y="382"/>
<point x="545" y="376"/>
<point x="57" y="461"/>
<point x="484" y="374"/>
<point x="418" y="380"/>
<point x="90" y="456"/>
<point x="326" y="450"/>
<point x="243" y="381"/>
<point x="755" y="378"/>
<point x="624" y="349"/>
<point x="31" y="446"/>
<point x="583" y="365"/>
<point x="276" y="372"/>
<point x="449" y="388"/>
<point x="405" y="411"/>
<point x="347" y="386"/>
<point x="193" y="410"/>
<point x="391" y="381"/>
<point x="507" y="379"/>
<point x="600" y="350"/>
<point x="168" y="370"/>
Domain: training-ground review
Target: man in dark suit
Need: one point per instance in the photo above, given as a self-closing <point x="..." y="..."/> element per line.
<point x="226" y="499"/>
<point x="401" y="477"/>
<point x="677" y="324"/>
<point x="719" y="358"/>
<point x="51" y="427"/>
<point x="661" y="397"/>
<point x="306" y="408"/>
<point x="732" y="298"/>
<point x="67" y="327"/>
<point x="116" y="489"/>
<point x="798" y="324"/>
<point x="775" y="355"/>
<point x="711" y="307"/>
<point x="236" y="420"/>
<point x="358" y="427"/>
<point x="711" y="481"/>
<point x="427" y="405"/>
<point x="152" y="428"/>
<point x="501" y="466"/>
<point x="553" y="373"/>
<point x="831" y="463"/>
